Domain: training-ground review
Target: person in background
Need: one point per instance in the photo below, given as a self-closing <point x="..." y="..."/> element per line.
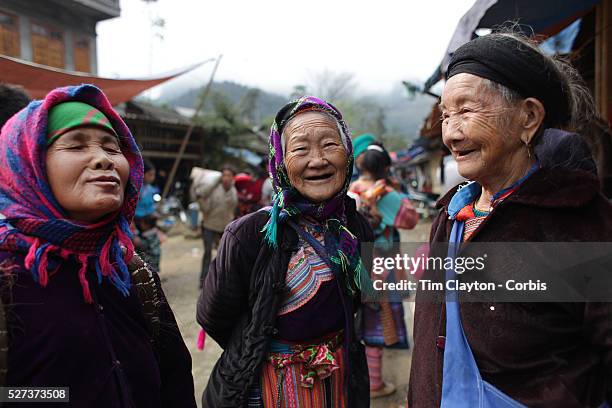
<point x="147" y="238"/>
<point x="387" y="210"/>
<point x="360" y="144"/>
<point x="218" y="206"/>
<point x="146" y="202"/>
<point x="267" y="193"/>
<point x="267" y="189"/>
<point x="78" y="308"/>
<point x="13" y="98"/>
<point x="249" y="188"/>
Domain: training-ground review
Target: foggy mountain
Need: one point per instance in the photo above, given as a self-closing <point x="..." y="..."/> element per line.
<point x="402" y="116"/>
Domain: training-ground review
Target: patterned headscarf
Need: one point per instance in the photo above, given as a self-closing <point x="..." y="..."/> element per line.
<point x="36" y="224"/>
<point x="71" y="115"/>
<point x="340" y="244"/>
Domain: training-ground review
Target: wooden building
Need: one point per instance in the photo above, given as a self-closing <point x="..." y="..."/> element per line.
<point x="56" y="33"/>
<point x="159" y="133"/>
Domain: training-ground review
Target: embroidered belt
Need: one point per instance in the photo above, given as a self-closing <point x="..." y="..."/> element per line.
<point x="317" y="359"/>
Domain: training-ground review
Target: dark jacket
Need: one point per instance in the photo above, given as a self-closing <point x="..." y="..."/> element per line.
<point x="102" y="351"/>
<point x="239" y="304"/>
<point x="558" y="148"/>
<point x="540" y="354"/>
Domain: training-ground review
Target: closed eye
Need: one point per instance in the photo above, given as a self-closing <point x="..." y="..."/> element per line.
<point x="112" y="149"/>
<point x="75" y="147"/>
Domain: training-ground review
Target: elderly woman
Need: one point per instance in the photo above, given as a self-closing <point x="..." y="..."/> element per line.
<point x="501" y="94"/>
<point x="81" y="311"/>
<point x="280" y="296"/>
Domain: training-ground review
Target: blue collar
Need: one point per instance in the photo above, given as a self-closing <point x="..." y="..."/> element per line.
<point x="471" y="191"/>
<point x="462" y="197"/>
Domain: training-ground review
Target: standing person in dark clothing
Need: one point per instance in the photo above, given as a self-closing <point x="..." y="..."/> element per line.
<point x="280" y="296"/>
<point x="81" y="311"/>
<point x="13" y="98"/>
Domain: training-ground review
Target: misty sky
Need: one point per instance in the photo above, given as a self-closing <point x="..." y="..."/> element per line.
<point x="276" y="44"/>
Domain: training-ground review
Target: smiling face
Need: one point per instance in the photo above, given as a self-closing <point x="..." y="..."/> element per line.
<point x="315" y="157"/>
<point x="87" y="173"/>
<point x="472" y="129"/>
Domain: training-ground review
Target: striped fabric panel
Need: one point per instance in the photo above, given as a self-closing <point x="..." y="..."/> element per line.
<point x="327" y="393"/>
<point x="306" y="272"/>
<point x="471" y="225"/>
<point x="388" y="324"/>
<point x="374" y="358"/>
<point x="254" y="397"/>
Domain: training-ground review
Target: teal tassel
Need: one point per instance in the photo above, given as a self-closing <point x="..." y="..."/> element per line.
<point x="365" y="284"/>
<point x="271" y="226"/>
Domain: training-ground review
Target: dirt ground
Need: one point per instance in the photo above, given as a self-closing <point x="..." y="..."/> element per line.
<point x="180" y="268"/>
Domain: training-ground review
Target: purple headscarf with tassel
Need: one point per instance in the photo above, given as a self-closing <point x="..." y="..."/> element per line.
<point x="340" y="244"/>
<point x="36" y="225"/>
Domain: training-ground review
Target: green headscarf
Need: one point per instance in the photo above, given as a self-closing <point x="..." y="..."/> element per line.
<point x="71" y="115"/>
<point x="361" y="143"/>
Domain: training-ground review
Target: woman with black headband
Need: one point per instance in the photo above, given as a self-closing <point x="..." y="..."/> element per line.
<point x="502" y="102"/>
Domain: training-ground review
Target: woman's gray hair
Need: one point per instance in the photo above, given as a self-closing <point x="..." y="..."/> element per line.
<point x="580" y="99"/>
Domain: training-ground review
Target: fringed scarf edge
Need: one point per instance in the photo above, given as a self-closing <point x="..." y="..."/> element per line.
<point x="112" y="262"/>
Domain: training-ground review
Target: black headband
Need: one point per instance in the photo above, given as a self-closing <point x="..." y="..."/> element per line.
<point x="509" y="62"/>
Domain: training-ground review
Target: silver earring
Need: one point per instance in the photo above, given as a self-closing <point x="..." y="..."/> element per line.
<point x="528" y="150"/>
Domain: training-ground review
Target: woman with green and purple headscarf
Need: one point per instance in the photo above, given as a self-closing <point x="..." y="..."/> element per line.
<point x="281" y="294"/>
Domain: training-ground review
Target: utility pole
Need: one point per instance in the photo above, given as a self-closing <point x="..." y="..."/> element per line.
<point x="190" y="130"/>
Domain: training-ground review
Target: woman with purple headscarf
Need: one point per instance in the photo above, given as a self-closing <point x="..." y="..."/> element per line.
<point x="281" y="294"/>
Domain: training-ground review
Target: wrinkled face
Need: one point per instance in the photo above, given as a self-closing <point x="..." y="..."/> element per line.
<point x="227" y="179"/>
<point x="474" y="129"/>
<point x="87" y="173"/>
<point x="315" y="157"/>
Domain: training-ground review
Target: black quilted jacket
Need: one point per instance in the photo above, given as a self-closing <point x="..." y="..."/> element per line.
<point x="239" y="302"/>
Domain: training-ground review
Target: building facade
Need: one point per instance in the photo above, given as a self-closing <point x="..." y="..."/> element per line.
<point x="57" y="33"/>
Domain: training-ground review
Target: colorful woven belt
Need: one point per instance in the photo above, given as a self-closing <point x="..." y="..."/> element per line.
<point x="317" y="359"/>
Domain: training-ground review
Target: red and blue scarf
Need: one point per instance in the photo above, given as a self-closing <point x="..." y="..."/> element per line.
<point x="36" y="225"/>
